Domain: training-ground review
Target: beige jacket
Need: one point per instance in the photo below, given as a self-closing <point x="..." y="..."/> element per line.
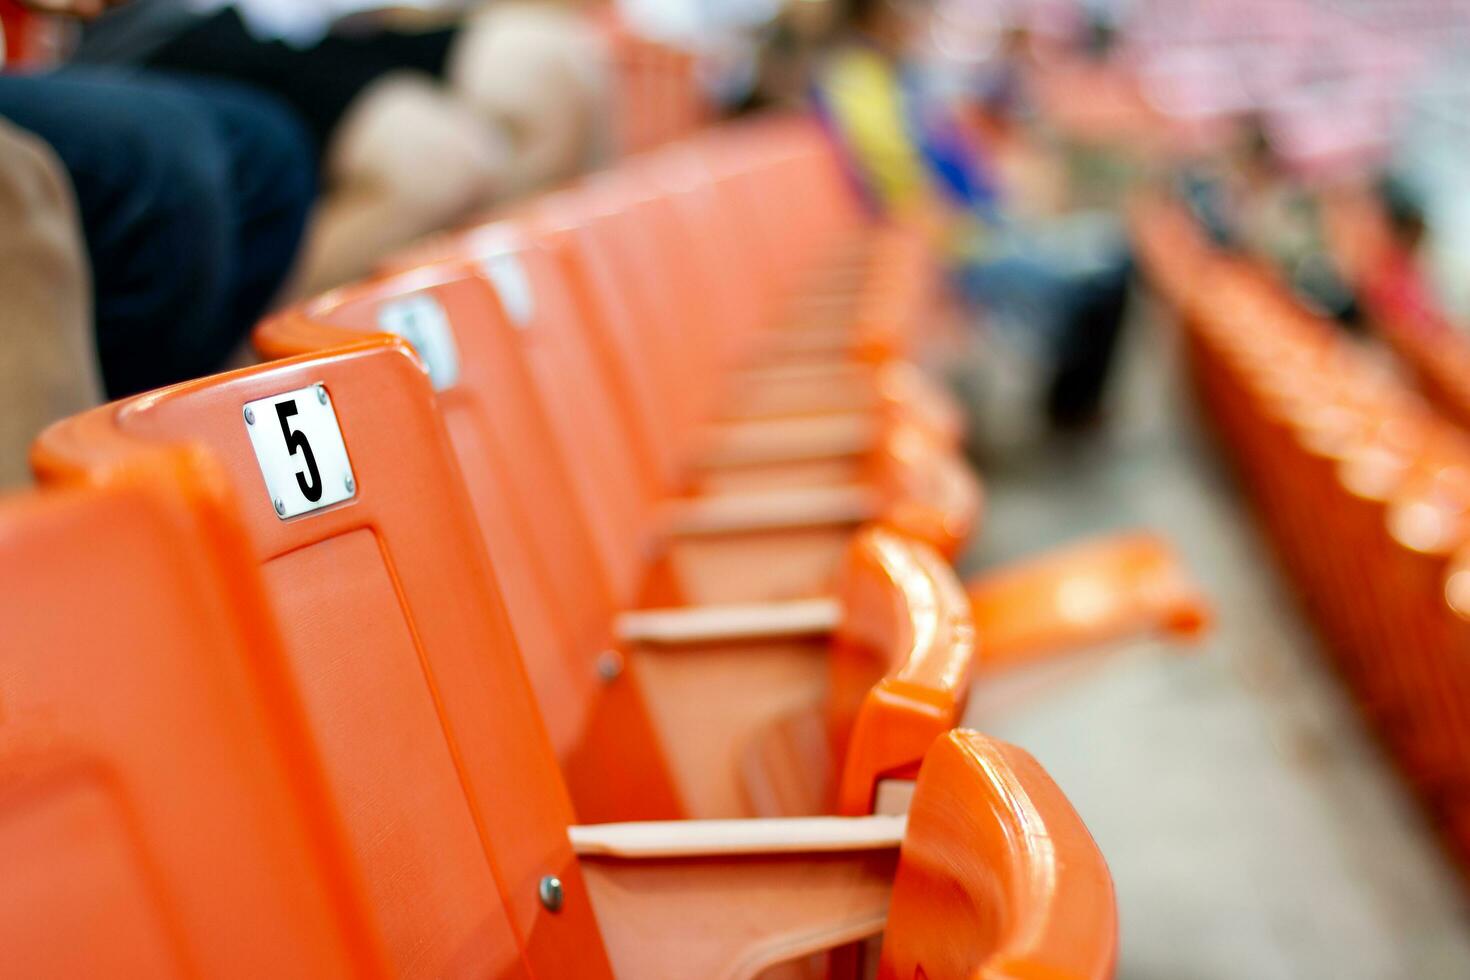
<point x="48" y="358"/>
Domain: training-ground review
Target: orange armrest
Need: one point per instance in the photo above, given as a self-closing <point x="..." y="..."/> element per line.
<point x="931" y="493"/>
<point x="998" y="876"/>
<point x="902" y="601"/>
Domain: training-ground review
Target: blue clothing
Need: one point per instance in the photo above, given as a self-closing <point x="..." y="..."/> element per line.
<point x="193" y="196"/>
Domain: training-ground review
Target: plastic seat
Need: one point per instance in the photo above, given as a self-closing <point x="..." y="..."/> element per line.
<point x="391" y="625"/>
<point x="629" y="743"/>
<point x="557" y="442"/>
<point x="549" y="396"/>
<point x="566" y="581"/>
<point x="1429" y="525"/>
<point x="1362" y="488"/>
<point x="620" y="246"/>
<point x="159" y="816"/>
<point x="449" y="811"/>
<point x="811" y="708"/>
<point x="693" y="274"/>
<point x="1451" y="637"/>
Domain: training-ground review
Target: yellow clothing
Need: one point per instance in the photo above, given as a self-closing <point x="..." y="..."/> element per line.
<point x="866" y="102"/>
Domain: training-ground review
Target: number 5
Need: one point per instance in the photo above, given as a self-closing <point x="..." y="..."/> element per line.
<point x="310" y="489"/>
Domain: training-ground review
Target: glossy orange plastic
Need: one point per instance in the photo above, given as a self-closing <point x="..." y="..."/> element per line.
<point x="998" y="877"/>
<point x="560" y="398"/>
<point x="1084" y="595"/>
<point x="1363" y="488"/>
<point x="600" y="725"/>
<point x="906" y="610"/>
<point x="400" y="653"/>
<point x="806" y="725"/>
<point x="429" y="785"/>
<point x="161" y="813"/>
<point x="658" y="93"/>
<point x="613" y="752"/>
<point x="234" y="851"/>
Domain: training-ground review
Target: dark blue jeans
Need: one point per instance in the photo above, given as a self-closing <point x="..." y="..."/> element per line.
<point x="193" y="195"/>
<point x="1066" y="291"/>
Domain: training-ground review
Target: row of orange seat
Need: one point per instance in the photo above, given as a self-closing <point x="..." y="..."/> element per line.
<point x="568" y="600"/>
<point x="1362" y="486"/>
<point x="1398" y="301"/>
<point x="657" y="94"/>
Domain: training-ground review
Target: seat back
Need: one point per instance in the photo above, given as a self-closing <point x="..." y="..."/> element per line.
<point x="654" y="291"/>
<point x="160" y="812"/>
<point x="397" y="645"/>
<point x="997" y="876"/>
<point x="735" y="296"/>
<point x="550" y="568"/>
<point x="634" y="319"/>
<point x="576" y="708"/>
<point x="590" y="432"/>
<point x="534" y="518"/>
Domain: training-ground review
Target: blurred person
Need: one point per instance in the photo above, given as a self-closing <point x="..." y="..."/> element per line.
<point x="416" y="126"/>
<point x="48" y="360"/>
<point x="1057" y="285"/>
<point x="1251" y="202"/>
<point x="1002" y="95"/>
<point x="192" y="197"/>
<point x="1396" y="278"/>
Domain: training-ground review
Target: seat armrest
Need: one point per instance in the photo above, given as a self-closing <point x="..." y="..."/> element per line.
<point x="730" y="898"/>
<point x="999" y="877"/>
<point x="654" y="839"/>
<point x="771" y="510"/>
<point x="904" y="605"/>
<point x="719" y="623"/>
<point x="789" y="440"/>
<point x="930" y="492"/>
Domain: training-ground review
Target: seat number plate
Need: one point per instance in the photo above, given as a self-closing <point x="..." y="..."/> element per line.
<point x="299" y="447"/>
<point x="512" y="285"/>
<point x="421" y="320"/>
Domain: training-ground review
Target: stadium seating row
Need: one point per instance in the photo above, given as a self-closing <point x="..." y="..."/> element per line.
<point x="1363" y="488"/>
<point x="568" y="600"/>
<point x="657" y="97"/>
<point x="1414" y="326"/>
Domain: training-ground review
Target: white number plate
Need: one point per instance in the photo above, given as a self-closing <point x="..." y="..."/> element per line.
<point x="299" y="447"/>
<point x="508" y="276"/>
<point x="421" y="320"/>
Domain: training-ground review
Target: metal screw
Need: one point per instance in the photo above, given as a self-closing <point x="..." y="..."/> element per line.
<point x="249" y="415"/>
<point x="348" y="483"/>
<point x="321" y="393"/>
<point x="609" y="665"/>
<point x="280" y="506"/>
<point x="551" y="892"/>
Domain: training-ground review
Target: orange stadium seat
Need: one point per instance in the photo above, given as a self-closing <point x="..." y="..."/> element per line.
<point x="632" y="719"/>
<point x="624" y="456"/>
<point x="538" y="385"/>
<point x="397" y="652"/>
<point x="1363" y="487"/>
<point x="160" y="812"/>
<point x="568" y="515"/>
<point x="390" y="623"/>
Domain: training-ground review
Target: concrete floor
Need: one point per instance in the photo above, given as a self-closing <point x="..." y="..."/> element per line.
<point x="1253" y="829"/>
